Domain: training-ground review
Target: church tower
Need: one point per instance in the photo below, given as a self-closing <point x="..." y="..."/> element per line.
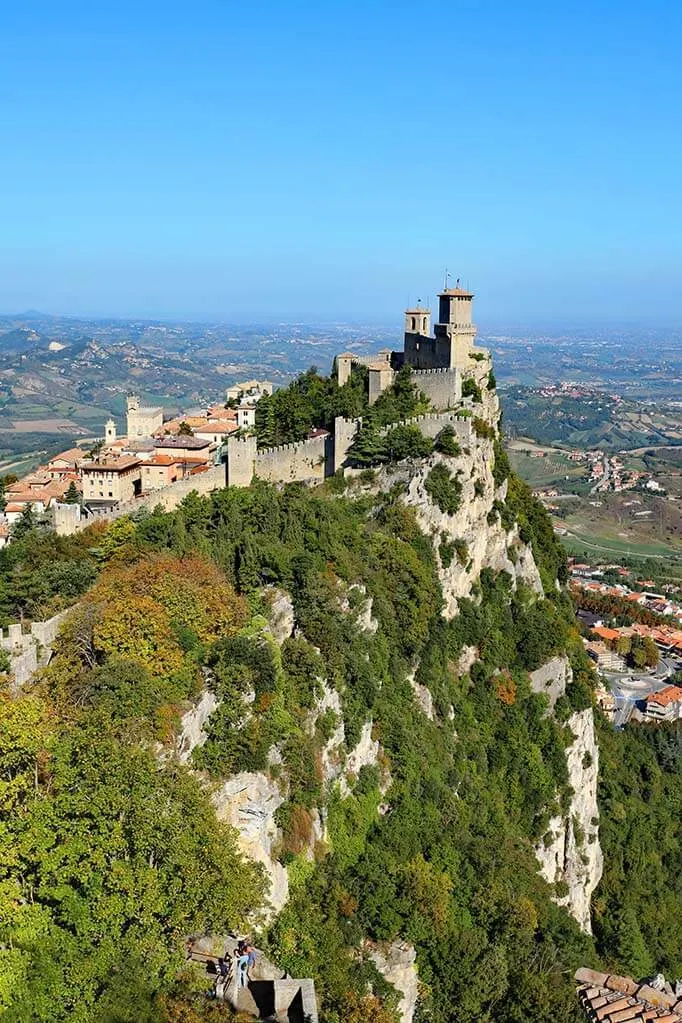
<point x="455" y="323"/>
<point x="109" y="431"/>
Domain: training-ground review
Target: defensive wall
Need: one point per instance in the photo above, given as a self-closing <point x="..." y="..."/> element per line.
<point x="68" y="518"/>
<point x="443" y="387"/>
<point x="308" y="461"/>
<point x="30" y="650"/>
<point x="430" y="424"/>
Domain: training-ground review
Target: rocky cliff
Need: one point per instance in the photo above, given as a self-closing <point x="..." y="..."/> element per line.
<point x="466" y="539"/>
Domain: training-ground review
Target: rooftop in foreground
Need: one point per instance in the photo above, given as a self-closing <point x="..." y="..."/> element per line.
<point x="612" y="999"/>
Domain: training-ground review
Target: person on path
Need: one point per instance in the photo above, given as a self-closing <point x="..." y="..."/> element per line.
<point x="242" y="967"/>
<point x="251" y="953"/>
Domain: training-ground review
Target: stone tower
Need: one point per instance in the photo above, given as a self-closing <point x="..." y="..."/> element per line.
<point x="418" y="321"/>
<point x="455" y="323"/>
<point x="109" y="431"/>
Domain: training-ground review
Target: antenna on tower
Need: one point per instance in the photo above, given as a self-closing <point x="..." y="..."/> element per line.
<point x="447" y="278"/>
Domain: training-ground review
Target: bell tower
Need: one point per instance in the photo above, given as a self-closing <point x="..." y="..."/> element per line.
<point x="455" y="307"/>
<point x="418" y="320"/>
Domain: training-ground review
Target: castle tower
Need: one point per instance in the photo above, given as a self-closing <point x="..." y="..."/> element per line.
<point x="109" y="431"/>
<point x="418" y="321"/>
<point x="455" y="306"/>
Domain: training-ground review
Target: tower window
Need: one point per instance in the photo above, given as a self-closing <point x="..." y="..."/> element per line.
<point x="424" y="325"/>
<point x="414" y="323"/>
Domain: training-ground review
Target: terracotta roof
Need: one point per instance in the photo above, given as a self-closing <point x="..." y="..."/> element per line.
<point x="604" y="633"/>
<point x="613" y="999"/>
<point x="666" y="696"/>
<point x="72" y="455"/>
<point x="161" y="459"/>
<point x="224" y="427"/>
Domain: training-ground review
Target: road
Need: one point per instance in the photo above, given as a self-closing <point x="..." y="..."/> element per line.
<point x="628" y="689"/>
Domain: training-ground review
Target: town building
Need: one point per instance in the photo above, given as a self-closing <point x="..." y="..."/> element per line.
<point x="108" y="481"/>
<point x="142" y="421"/>
<point x="665" y="705"/>
<point x="249" y="391"/>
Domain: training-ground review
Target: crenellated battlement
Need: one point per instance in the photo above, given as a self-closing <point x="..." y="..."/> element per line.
<point x="450" y="371"/>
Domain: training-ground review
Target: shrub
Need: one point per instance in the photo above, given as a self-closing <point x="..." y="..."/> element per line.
<point x="492" y="382"/>
<point x="446" y="551"/>
<point x="462" y="550"/>
<point x="406" y="442"/>
<point x="483" y="429"/>
<point x="444" y="489"/>
<point x="501" y="467"/>
<point x="447" y="443"/>
<point x="470" y="389"/>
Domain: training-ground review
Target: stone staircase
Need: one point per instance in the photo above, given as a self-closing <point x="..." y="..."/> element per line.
<point x="269" y="995"/>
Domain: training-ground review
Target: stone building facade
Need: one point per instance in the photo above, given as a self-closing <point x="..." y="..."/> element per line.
<point x="142" y="421"/>
<point x="448" y="351"/>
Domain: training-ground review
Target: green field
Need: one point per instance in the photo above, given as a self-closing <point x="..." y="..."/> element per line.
<point x="585" y="544"/>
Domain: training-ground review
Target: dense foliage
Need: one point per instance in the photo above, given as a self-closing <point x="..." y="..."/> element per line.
<point x="312" y="400"/>
<point x="110" y="855"/>
<point x="431" y="869"/>
<point x="108" y="859"/>
<point x="637" y="905"/>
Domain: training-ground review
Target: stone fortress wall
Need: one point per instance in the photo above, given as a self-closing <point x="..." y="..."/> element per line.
<point x="69" y="519"/>
<point x="29" y="651"/>
<point x="439" y="364"/>
<point x="309" y="461"/>
<point x="443" y="387"/>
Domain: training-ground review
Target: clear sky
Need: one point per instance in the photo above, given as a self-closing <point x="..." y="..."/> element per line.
<point x="259" y="160"/>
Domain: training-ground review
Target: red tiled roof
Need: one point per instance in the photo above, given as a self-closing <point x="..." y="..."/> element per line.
<point x="613" y="999"/>
<point x="605" y="633"/>
<point x="664" y="697"/>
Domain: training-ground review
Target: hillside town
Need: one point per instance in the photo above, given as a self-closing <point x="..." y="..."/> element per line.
<point x="153" y="454"/>
<point x="635" y="660"/>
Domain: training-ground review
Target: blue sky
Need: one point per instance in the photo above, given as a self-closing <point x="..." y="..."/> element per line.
<point x="327" y="160"/>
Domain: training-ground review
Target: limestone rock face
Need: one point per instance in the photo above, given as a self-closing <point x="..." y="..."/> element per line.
<point x="192" y="723"/>
<point x="488" y="545"/>
<point x="396" y="963"/>
<point x="551" y="679"/>
<point x="248" y="801"/>
<point x="281" y="619"/>
<point x="571" y="852"/>
<point x="423" y="697"/>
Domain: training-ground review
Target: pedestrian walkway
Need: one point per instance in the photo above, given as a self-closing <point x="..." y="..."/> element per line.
<point x="270" y="994"/>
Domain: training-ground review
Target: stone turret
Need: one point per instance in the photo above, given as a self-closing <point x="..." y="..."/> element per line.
<point x="456" y="325"/>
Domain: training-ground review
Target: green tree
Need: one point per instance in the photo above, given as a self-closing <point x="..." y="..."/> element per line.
<point x="72" y="495"/>
<point x="26" y="523"/>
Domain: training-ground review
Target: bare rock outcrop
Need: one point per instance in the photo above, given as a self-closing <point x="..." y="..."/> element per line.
<point x="570" y="852"/>
<point x="191" y="733"/>
<point x="396" y="964"/>
<point x="249" y="801"/>
<point x="551" y="679"/>
<point x="281" y="619"/>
